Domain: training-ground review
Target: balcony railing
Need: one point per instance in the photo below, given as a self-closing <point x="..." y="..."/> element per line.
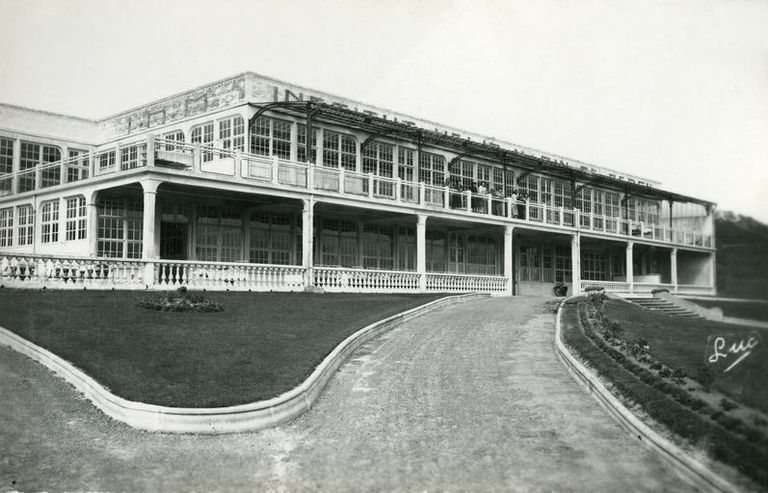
<point x="272" y="171"/>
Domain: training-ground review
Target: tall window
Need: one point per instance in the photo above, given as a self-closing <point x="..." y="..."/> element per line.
<point x="120" y="227"/>
<point x="405" y="163"/>
<point x="38" y="155"/>
<point x="530" y="264"/>
<point x="106" y="160"/>
<point x="435" y="251"/>
<point x="232" y="133"/>
<point x="431" y="169"/>
<point x="593" y="266"/>
<point x="563" y="263"/>
<point x="49" y="222"/>
<point x="338" y="243"/>
<point x="6" y="227"/>
<point x="378" y="247"/>
<point x="203" y="135"/>
<point x="271" y="137"/>
<point x="339" y="150"/>
<point x="6" y="166"/>
<point x="133" y="156"/>
<point x="79" y="162"/>
<point x="271" y="238"/>
<point x="302" y="144"/>
<point x="462" y="174"/>
<point x="76" y="218"/>
<point x="219" y="234"/>
<point x="378" y="158"/>
<point x="26" y="215"/>
<point x="174" y="136"/>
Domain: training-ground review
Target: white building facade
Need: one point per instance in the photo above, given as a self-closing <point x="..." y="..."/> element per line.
<point x="250" y="183"/>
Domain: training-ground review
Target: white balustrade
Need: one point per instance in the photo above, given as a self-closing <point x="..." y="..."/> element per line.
<point x="464" y="283"/>
<point x="342" y="279"/>
<point x="608" y="286"/>
<point x="647" y="287"/>
<point x="229" y="276"/>
<point x="32" y="271"/>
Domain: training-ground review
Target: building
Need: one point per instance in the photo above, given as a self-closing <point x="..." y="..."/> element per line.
<point x="253" y="183"/>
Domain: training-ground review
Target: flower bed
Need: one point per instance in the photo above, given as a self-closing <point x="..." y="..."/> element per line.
<point x="667" y="394"/>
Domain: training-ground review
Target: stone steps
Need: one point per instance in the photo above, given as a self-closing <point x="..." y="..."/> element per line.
<point x="664" y="306"/>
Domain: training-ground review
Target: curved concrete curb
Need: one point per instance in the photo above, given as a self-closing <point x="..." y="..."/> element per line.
<point x="233" y="419"/>
<point x="701" y="475"/>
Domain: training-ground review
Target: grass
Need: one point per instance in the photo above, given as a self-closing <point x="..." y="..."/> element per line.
<point x="652" y="394"/>
<point x="260" y="346"/>
<point x="682" y="343"/>
<point x="753" y="310"/>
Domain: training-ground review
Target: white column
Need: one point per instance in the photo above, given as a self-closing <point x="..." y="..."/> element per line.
<point x="15" y="166"/>
<point x="421" y="250"/>
<point x="307" y="243"/>
<point x="150" y="150"/>
<point x="93" y="224"/>
<point x="148" y="245"/>
<point x="630" y="273"/>
<point x="673" y="269"/>
<point x="576" y="263"/>
<point x="712" y="264"/>
<point x="508" y="257"/>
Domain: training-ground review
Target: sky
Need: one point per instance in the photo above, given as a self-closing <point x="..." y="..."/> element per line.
<point x="675" y="91"/>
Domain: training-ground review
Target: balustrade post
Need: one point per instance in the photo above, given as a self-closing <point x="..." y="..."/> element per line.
<point x="673" y="269"/>
<point x="310" y="176"/>
<point x="239" y="172"/>
<point x="510" y="205"/>
<point x="422" y="193"/>
<point x="370" y="185"/>
<point x="562" y="213"/>
<point x="446" y="197"/>
<point x="275" y="168"/>
<point x="421" y="251"/>
<point x="342" y="177"/>
<point x="591" y="221"/>
<point x="197" y="157"/>
<point x="118" y="158"/>
<point x="398" y="189"/>
<point x="468" y="193"/>
<point x="150" y="150"/>
<point x="576" y="263"/>
<point x="576" y="219"/>
<point x="630" y="267"/>
<point x="508" y="258"/>
<point x="527" y="210"/>
<point x="307" y="241"/>
<point x="489" y="198"/>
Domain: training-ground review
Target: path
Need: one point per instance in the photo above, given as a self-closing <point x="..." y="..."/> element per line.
<point x="468" y="397"/>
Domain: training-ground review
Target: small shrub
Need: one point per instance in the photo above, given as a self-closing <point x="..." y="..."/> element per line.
<point x="656" y="366"/>
<point x="659" y="290"/>
<point x="705" y="376"/>
<point x="665" y="372"/>
<point x="728" y="405"/>
<point x="678" y="373"/>
<point x="593" y="289"/>
<point x="560" y="289"/>
<point x="180" y="301"/>
<point x="615" y="329"/>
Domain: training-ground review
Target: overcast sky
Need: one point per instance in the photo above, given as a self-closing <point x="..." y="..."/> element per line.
<point x="675" y="91"/>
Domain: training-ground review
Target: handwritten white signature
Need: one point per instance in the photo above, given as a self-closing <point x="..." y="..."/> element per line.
<point x="742" y="349"/>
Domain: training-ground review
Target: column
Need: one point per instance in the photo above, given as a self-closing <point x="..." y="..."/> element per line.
<point x="712" y="271"/>
<point x="576" y="263"/>
<point x="93" y="223"/>
<point x="673" y="269"/>
<point x="148" y="244"/>
<point x="508" y="257"/>
<point x="629" y="271"/>
<point x="307" y="243"/>
<point x="421" y="250"/>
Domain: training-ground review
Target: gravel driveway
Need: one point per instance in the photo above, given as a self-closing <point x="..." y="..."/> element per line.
<point x="470" y="397"/>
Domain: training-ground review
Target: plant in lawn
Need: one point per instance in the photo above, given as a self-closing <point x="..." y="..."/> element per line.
<point x="560" y="289"/>
<point x="182" y="300"/>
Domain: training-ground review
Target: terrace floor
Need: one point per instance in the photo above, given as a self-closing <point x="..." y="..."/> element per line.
<point x="470" y="397"/>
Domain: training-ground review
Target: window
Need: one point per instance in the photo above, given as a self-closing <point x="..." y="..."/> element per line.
<point x="77" y="168"/>
<point x="435" y="251"/>
<point x="271" y="137"/>
<point x="219" y="234"/>
<point x="232" y="133"/>
<point x="174" y="136"/>
<point x="339" y="150"/>
<point x="106" y="160"/>
<point x="34" y="156"/>
<point x="405" y="170"/>
<point x="563" y="263"/>
<point x="530" y="264"/>
<point x="6" y="227"/>
<point x="593" y="266"/>
<point x="302" y="144"/>
<point x="378" y="158"/>
<point x="76" y="218"/>
<point x="462" y="174"/>
<point x="338" y="243"/>
<point x="26" y="216"/>
<point x="431" y="169"/>
<point x="49" y="222"/>
<point x="120" y="227"/>
<point x="6" y="166"/>
<point x="133" y="156"/>
<point x="484" y="176"/>
<point x="378" y="247"/>
<point x="203" y="135"/>
<point x="271" y="238"/>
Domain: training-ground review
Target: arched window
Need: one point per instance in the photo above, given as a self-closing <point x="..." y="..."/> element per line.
<point x="232" y="133"/>
<point x="431" y="169"/>
<point x="271" y="137"/>
<point x="203" y="134"/>
<point x="34" y="155"/>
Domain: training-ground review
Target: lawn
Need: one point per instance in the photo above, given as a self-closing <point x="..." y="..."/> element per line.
<point x="682" y="343"/>
<point x="261" y="345"/>
<point x="753" y="310"/>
